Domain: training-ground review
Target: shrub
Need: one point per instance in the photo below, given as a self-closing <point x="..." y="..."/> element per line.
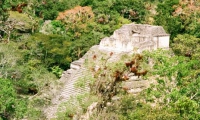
<point x="187" y="44"/>
<point x="11" y="106"/>
<point x="57" y="71"/>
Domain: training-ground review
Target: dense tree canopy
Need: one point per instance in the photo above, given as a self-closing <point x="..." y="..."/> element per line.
<point x="35" y="49"/>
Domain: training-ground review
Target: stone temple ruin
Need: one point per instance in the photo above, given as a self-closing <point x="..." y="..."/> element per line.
<point x="126" y="40"/>
<point x="137" y="37"/>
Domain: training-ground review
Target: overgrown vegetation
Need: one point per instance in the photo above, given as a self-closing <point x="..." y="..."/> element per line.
<point x="34" y="52"/>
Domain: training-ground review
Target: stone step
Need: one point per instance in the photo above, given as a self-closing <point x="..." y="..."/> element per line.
<point x="135" y="84"/>
<point x="134" y="91"/>
<point x="71" y="91"/>
<point x="68" y="90"/>
<point x="70" y="78"/>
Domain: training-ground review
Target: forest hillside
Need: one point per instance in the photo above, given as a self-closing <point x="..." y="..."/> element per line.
<point x="39" y="39"/>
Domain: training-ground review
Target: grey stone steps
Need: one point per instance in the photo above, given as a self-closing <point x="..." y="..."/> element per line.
<point x="70" y="78"/>
<point x="68" y="90"/>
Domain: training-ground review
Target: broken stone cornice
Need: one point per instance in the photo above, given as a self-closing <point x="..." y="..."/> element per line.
<point x="141" y="36"/>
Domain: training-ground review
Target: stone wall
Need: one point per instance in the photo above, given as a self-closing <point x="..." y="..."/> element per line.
<point x="136" y="37"/>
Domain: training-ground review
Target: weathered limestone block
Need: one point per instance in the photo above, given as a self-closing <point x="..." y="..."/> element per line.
<point x="46" y="27"/>
<point x="77" y="64"/>
<point x="135" y="84"/>
<point x="136" y="37"/>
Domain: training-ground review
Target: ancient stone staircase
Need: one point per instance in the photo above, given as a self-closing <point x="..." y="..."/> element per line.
<point x="70" y="77"/>
<point x="78" y="71"/>
<point x="69" y="88"/>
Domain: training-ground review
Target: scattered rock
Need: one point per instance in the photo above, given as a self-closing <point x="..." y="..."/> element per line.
<point x="46" y="27"/>
<point x="89" y="112"/>
<point x="134" y="91"/>
<point x="114" y="98"/>
<point x="134" y="78"/>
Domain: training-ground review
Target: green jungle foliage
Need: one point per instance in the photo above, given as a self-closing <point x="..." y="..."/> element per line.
<point x="3" y="8"/>
<point x="178" y="22"/>
<point x="49" y="9"/>
<point x="186" y="44"/>
<point x="133" y="10"/>
<point x="32" y="61"/>
<point x="172" y="24"/>
<point x="10" y="105"/>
